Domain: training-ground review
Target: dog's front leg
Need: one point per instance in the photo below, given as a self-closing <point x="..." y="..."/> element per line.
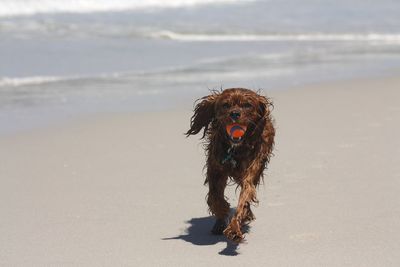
<point x="216" y="201"/>
<point x="243" y="212"/>
<point x="247" y="195"/>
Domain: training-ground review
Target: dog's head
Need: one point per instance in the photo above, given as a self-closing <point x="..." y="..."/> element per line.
<point x="236" y="113"/>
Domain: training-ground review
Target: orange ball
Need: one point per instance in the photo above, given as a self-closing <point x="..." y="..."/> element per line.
<point x="236" y="130"/>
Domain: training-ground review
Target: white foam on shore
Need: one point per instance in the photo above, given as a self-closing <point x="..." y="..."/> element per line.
<point x="32" y="27"/>
<point x="30" y="7"/>
<point x="33" y="80"/>
<point x="318" y="37"/>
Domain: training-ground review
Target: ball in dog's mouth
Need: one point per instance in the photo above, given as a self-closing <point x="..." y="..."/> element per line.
<point x="236" y="131"/>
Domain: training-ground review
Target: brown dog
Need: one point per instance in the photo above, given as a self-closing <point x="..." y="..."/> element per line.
<point x="239" y="140"/>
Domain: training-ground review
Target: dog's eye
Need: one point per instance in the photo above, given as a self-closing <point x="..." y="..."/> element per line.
<point x="247" y="105"/>
<point x="226" y="105"/>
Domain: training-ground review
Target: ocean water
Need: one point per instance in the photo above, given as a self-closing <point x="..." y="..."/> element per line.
<point x="66" y="58"/>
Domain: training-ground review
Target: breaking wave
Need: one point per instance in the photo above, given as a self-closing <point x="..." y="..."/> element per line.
<point x="316" y="37"/>
<point x="31" y="7"/>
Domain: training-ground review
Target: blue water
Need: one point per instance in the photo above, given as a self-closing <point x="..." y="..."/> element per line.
<point x="59" y="60"/>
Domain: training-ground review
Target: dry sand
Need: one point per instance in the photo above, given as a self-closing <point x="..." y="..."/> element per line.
<point x="127" y="189"/>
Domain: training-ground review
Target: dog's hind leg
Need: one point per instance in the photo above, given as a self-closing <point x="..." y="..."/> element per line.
<point x="248" y="215"/>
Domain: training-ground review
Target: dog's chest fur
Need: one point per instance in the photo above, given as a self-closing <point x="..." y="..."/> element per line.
<point x="235" y="160"/>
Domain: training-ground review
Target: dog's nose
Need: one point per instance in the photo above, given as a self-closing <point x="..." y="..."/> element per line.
<point x="235" y="115"/>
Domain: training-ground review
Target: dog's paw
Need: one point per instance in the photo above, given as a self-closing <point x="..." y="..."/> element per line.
<point x="233" y="232"/>
<point x="219" y="227"/>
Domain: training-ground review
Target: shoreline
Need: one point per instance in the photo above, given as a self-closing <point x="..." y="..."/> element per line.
<point x="31" y="119"/>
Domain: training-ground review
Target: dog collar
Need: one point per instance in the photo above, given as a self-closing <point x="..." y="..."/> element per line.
<point x="229" y="158"/>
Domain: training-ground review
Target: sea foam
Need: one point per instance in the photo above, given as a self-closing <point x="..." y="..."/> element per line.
<point x="307" y="37"/>
<point x="32" y="80"/>
<point x="31" y="7"/>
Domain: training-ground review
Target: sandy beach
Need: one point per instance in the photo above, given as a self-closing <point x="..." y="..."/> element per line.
<point x="127" y="189"/>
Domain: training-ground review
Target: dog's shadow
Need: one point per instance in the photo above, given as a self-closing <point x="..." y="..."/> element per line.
<point x="199" y="233"/>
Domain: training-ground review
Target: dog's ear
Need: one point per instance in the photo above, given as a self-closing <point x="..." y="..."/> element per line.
<point x="204" y="114"/>
<point x="265" y="125"/>
<point x="264" y="107"/>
